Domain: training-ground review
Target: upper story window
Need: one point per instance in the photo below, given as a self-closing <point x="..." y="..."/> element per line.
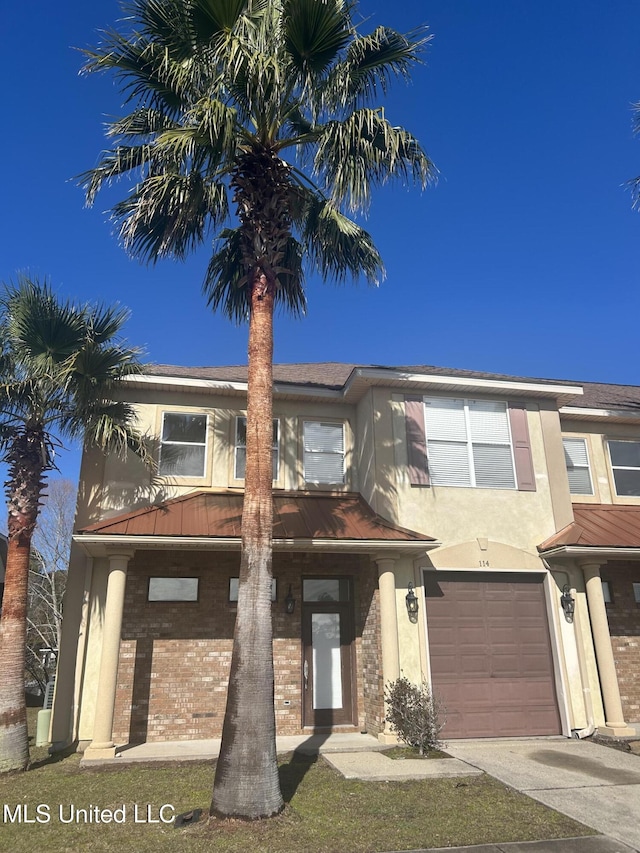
<point x="323" y="452"/>
<point x="183" y="445"/>
<point x="625" y="464"/>
<point x="469" y="443"/>
<point x="577" y="460"/>
<point x="240" y="462"/>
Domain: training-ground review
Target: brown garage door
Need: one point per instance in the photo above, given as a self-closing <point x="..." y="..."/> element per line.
<point x="490" y="654"/>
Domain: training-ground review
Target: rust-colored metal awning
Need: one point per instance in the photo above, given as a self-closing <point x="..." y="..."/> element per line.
<point x="609" y="530"/>
<point x="302" y="521"/>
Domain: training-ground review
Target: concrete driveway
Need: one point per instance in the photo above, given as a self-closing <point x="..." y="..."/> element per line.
<point x="596" y="785"/>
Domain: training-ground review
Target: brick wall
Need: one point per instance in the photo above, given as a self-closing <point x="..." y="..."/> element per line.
<point x="371" y="657"/>
<point x="624" y="626"/>
<point x="175" y="656"/>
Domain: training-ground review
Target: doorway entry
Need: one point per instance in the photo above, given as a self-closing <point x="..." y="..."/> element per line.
<point x="327" y="661"/>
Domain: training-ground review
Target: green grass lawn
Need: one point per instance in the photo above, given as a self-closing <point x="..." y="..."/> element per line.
<point x="324" y="812"/>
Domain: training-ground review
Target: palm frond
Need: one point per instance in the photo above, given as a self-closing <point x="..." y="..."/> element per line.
<point x="167" y="24"/>
<point x="371" y="64"/>
<point x="315" y="31"/>
<point x="634" y="186"/>
<point x="105" y="322"/>
<point x="339" y="247"/>
<point x="225" y="283"/>
<point x="212" y="135"/>
<point x="145" y="69"/>
<point x="213" y="18"/>
<point x="102" y="367"/>
<point x="143" y="122"/>
<point x="7" y="436"/>
<point x="364" y="151"/>
<point x="168" y="215"/>
<point x="42" y="331"/>
<point x="122" y="160"/>
<point x="111" y="427"/>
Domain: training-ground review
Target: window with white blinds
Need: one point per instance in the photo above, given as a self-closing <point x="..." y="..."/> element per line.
<point x="577" y="461"/>
<point x="469" y="443"/>
<point x="323" y="452"/>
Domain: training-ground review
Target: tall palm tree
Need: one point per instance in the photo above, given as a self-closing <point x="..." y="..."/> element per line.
<point x="253" y="121"/>
<point x="58" y="367"/>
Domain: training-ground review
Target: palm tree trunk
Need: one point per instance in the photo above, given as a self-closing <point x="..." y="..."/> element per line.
<point x="246" y="782"/>
<point x="14" y="742"/>
<point x="24" y="488"/>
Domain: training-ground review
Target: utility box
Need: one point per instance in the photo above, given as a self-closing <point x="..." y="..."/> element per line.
<point x="44" y="716"/>
<point x="43" y="726"/>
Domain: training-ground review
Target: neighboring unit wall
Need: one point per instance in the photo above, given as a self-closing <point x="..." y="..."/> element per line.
<point x="597" y="435"/>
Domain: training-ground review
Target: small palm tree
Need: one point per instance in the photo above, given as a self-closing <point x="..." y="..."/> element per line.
<point x="253" y="120"/>
<point x="58" y="368"/>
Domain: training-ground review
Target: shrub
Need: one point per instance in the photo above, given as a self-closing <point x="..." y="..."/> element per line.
<point x="414" y="715"/>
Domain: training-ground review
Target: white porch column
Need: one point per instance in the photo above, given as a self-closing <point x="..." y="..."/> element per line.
<point x="614" y="717"/>
<point x="102" y="745"/>
<point x="388" y="629"/>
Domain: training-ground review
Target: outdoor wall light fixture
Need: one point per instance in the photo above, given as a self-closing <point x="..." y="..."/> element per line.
<point x="412" y="604"/>
<point x="568" y="603"/>
<point x="289" y="602"/>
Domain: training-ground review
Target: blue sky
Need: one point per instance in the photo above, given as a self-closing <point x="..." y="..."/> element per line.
<point x="522" y="260"/>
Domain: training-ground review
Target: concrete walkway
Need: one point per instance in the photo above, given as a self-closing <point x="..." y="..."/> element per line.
<point x="204" y="750"/>
<point x="595" y="785"/>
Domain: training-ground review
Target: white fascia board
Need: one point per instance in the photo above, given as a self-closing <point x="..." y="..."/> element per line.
<point x="593" y="553"/>
<point x="101" y="545"/>
<point x="182" y="382"/>
<point x="577" y="411"/>
<point x="228" y="385"/>
<point x="466" y="381"/>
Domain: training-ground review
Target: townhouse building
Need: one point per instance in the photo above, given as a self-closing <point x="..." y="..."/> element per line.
<point x="476" y="531"/>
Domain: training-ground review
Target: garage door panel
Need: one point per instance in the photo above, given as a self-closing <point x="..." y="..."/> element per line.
<point x="490" y="654"/>
<point x="471" y="636"/>
<point x="500" y="610"/>
<point x="536" y="665"/>
<point x="474" y="666"/>
<point x="500" y="635"/>
<point x="505" y="665"/>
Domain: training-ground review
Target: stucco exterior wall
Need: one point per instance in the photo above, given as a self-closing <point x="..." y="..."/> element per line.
<point x="455" y="514"/>
<point x="111" y="485"/>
